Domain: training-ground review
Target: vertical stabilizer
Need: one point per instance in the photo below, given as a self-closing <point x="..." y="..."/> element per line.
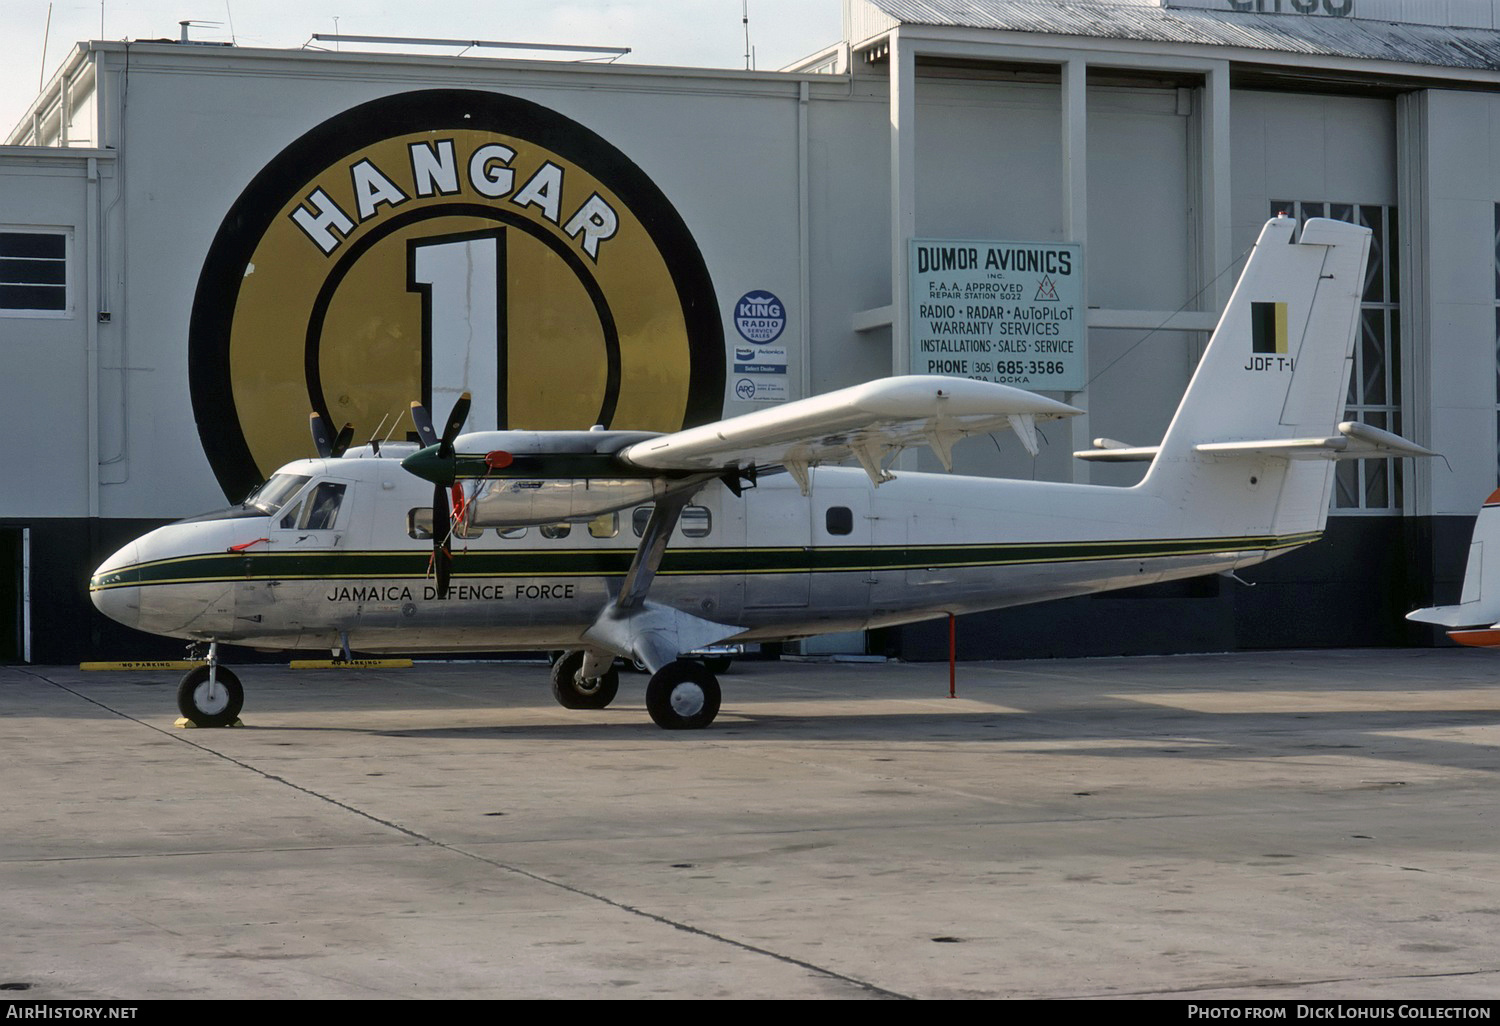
<point x="1277" y="368"/>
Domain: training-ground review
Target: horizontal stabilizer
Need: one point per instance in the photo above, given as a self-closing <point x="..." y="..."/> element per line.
<point x="867" y="422"/>
<point x="1353" y="442"/>
<point x="1107" y="450"/>
<point x="1467" y="614"/>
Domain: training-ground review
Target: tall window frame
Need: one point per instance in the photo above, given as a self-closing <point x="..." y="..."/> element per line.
<point x="1374" y="398"/>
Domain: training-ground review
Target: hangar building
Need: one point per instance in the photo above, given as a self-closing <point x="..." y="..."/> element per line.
<point x="748" y="238"/>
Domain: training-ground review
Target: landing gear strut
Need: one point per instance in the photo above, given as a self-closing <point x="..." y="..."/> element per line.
<point x="683" y="695"/>
<point x="575" y="691"/>
<point x="210" y="696"/>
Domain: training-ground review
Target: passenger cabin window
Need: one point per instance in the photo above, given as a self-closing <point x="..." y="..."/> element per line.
<point x="555" y="531"/>
<point x="511" y="532"/>
<point x="840" y="520"/>
<point x="606" y="525"/>
<point x="640" y="518"/>
<point x="695" y="522"/>
<point x="419" y="523"/>
<point x="465" y="531"/>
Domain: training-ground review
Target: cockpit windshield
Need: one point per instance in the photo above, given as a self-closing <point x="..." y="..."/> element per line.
<point x="274" y="493"/>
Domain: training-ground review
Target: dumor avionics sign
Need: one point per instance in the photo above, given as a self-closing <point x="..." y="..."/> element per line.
<point x="1008" y="312"/>
<point x="431" y="242"/>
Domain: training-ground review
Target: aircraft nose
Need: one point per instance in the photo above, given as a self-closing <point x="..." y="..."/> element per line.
<point x="112" y="589"/>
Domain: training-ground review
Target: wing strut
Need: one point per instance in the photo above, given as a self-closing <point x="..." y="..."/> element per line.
<point x="653" y="547"/>
<point x="650" y="633"/>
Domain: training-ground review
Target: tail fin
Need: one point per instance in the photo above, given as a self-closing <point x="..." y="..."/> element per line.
<point x="1276" y="370"/>
<point x="1474" y="620"/>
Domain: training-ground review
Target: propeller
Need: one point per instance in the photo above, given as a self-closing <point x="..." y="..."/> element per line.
<point x="442" y="513"/>
<point x="329" y="448"/>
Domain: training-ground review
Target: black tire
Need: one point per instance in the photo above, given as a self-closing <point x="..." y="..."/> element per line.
<point x="203" y="710"/>
<point x="718" y="664"/>
<point x="573" y="691"/>
<point x="683" y="696"/>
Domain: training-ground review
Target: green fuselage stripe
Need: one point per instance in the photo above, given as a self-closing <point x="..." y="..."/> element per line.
<point x="480" y="563"/>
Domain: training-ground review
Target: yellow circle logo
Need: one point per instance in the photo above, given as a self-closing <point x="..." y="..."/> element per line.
<point x="431" y="243"/>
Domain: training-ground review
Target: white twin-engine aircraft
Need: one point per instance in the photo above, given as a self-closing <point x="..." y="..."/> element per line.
<point x="649" y="546"/>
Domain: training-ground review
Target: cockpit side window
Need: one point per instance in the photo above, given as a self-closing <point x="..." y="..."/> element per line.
<point x="321" y="510"/>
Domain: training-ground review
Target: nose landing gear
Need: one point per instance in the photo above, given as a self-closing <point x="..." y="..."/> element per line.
<point x="210" y="695"/>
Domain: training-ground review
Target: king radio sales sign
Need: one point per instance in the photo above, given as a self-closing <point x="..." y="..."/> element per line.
<point x="1008" y="312"/>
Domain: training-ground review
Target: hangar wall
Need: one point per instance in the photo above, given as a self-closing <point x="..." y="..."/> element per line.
<point x="784" y="183"/>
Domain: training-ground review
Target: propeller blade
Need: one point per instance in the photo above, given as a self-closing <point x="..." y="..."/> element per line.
<point x="442" y="533"/>
<point x="321" y="441"/>
<point x="423" y="420"/>
<point x="455" y="424"/>
<point x="346" y="435"/>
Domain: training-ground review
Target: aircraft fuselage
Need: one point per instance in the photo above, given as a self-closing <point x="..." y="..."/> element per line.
<point x="776" y="562"/>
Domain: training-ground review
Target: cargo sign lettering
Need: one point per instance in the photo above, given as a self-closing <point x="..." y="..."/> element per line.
<point x="1008" y="312"/>
<point x="1321" y="8"/>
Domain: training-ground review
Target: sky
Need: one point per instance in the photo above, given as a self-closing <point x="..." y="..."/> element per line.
<point x="695" y="33"/>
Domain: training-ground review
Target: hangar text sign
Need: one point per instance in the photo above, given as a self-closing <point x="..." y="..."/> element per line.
<point x="1008" y="312"/>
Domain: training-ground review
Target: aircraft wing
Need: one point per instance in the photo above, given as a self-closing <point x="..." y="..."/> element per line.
<point x="866" y="421"/>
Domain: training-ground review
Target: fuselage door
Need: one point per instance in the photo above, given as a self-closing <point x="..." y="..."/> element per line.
<point x="841" y="534"/>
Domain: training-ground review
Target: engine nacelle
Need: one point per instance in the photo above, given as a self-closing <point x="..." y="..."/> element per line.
<point x="517" y="502"/>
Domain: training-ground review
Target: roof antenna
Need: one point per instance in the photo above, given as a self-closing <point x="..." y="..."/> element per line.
<point x="41" y="76"/>
<point x="745" y="20"/>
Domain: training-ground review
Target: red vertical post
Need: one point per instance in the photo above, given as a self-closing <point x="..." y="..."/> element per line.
<point x="952" y="656"/>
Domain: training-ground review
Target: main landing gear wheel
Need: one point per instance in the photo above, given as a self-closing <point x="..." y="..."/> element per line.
<point x="206" y="704"/>
<point x="575" y="691"/>
<point x="683" y="696"/>
<point x="718" y="664"/>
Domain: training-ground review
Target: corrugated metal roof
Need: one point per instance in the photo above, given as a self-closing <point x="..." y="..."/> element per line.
<point x="1278" y="33"/>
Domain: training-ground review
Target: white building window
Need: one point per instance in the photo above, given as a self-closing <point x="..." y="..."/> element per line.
<point x="1371" y="486"/>
<point x="34" y="275"/>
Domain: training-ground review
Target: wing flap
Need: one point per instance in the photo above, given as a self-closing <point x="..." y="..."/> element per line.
<point x="866" y="422"/>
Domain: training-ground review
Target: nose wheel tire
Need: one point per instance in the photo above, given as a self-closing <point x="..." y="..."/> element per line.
<point x="210" y="704"/>
<point x="575" y="691"/>
<point x="683" y="696"/>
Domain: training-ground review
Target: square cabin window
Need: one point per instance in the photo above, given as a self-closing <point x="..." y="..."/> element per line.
<point x="606" y="525"/>
<point x="696" y="522"/>
<point x="33" y="273"/>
